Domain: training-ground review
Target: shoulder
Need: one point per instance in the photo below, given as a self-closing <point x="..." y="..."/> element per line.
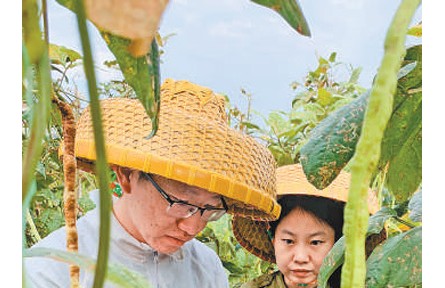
<point x="263" y="281"/>
<point x="42" y="271"/>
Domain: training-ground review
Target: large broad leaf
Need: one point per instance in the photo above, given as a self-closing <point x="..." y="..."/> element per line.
<point x="396" y="262"/>
<point x="141" y="73"/>
<point x="332" y="143"/>
<point x="402" y="142"/>
<point x="336" y="255"/>
<point x="116" y="273"/>
<point x="137" y="20"/>
<point x="291" y="11"/>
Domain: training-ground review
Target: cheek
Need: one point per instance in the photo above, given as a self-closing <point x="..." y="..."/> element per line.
<point x="152" y="220"/>
<point x="283" y="256"/>
<point x="319" y="256"/>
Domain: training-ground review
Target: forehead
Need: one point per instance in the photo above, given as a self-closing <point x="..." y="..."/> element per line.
<point x="299" y="221"/>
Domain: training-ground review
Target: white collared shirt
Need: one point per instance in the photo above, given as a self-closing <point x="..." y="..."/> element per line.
<point x="193" y="265"/>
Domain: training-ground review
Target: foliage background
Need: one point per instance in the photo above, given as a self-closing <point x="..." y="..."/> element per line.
<point x="286" y="134"/>
<point x="317" y="95"/>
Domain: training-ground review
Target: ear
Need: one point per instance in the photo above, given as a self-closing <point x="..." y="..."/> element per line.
<point x="123" y="177"/>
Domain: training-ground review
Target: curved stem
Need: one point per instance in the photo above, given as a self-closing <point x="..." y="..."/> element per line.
<point x="367" y="153"/>
<point x="101" y="163"/>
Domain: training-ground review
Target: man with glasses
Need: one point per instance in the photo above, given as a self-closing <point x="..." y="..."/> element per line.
<point x="194" y="170"/>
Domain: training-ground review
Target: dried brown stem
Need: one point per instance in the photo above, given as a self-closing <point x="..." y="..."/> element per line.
<point x="69" y="193"/>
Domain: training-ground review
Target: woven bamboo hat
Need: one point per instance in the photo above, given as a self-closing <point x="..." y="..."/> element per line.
<point x="291" y="180"/>
<point x="193" y="144"/>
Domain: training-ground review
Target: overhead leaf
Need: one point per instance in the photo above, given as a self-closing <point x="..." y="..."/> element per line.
<point x="332" y="143"/>
<point x="141" y="73"/>
<point x="137" y="20"/>
<point x="116" y="273"/>
<point x="336" y="255"/>
<point x="397" y="262"/>
<point x="291" y="11"/>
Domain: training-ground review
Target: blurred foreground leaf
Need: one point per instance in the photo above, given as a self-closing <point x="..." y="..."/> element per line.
<point x="116" y="273"/>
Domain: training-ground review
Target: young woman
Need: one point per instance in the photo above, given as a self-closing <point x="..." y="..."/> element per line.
<point x="310" y="222"/>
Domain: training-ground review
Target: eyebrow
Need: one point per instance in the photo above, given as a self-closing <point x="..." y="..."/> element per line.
<point x="215" y="197"/>
<point x="318" y="233"/>
<point x="196" y="193"/>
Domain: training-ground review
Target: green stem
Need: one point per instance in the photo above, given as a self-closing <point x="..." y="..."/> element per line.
<point x="367" y="153"/>
<point x="39" y="119"/>
<point x="33" y="229"/>
<point x="101" y="163"/>
<point x="45" y="21"/>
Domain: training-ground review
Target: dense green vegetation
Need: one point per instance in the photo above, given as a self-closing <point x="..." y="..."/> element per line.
<point x="322" y="131"/>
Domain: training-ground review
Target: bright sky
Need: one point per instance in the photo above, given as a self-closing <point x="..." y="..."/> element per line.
<point x="233" y="44"/>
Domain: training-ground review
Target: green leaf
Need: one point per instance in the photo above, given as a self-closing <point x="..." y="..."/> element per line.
<point x="232" y="267"/>
<point x="415" y="30"/>
<point x="402" y="142"/>
<point x="355" y="75"/>
<point x="62" y="55"/>
<point x="332" y="143"/>
<point x="415" y="207"/>
<point x="325" y="97"/>
<point x="332" y="57"/>
<point x="116" y="273"/>
<point x="49" y="220"/>
<point x="336" y="255"/>
<point x="142" y="74"/>
<point x="397" y="262"/>
<point x="291" y="11"/>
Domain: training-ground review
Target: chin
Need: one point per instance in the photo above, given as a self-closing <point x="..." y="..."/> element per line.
<point x="168" y="250"/>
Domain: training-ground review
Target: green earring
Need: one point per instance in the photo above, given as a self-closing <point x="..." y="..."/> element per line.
<point x="116" y="189"/>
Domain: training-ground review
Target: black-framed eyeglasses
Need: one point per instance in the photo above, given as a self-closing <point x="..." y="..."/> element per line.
<point x="182" y="209"/>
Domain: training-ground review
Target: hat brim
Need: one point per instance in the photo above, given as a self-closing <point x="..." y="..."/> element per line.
<point x="291" y="180"/>
<point x="190" y="146"/>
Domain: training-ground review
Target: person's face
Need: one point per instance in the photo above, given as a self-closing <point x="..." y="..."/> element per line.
<point x="142" y="211"/>
<point x="301" y="242"/>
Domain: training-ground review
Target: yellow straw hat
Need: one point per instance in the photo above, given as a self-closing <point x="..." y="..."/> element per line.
<point x="193" y="144"/>
<point x="291" y="180"/>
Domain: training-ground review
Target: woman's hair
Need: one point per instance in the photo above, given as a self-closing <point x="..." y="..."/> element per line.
<point x="326" y="210"/>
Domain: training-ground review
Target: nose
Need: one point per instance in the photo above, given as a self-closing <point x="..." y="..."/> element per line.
<point x="300" y="254"/>
<point x="192" y="225"/>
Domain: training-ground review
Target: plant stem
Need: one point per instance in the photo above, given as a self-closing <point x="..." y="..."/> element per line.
<point x="367" y="153"/>
<point x="101" y="163"/>
<point x="33" y="229"/>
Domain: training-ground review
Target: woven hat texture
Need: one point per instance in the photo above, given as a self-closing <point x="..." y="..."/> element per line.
<point x="193" y="144"/>
<point x="291" y="180"/>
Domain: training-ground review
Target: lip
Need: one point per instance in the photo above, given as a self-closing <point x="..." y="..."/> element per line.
<point x="177" y="240"/>
<point x="301" y="273"/>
